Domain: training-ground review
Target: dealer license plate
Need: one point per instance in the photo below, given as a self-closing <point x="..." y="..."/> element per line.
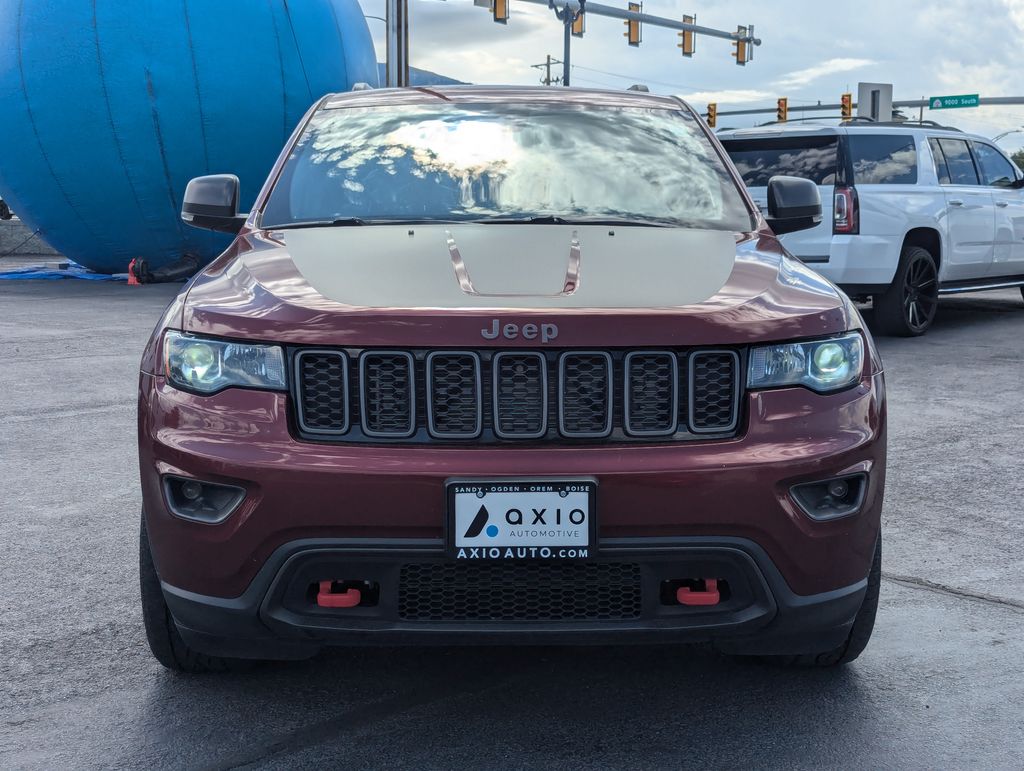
<point x="521" y="520"/>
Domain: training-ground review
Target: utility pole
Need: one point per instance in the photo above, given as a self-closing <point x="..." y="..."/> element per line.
<point x="397" y="20"/>
<point x="568" y="16"/>
<point x="547" y="80"/>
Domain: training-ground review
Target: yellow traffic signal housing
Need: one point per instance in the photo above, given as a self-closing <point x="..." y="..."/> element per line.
<point x="687" y="38"/>
<point x="782" y="111"/>
<point x="739" y="48"/>
<point x="500" y="10"/>
<point x="632" y="33"/>
<point x="579" y="25"/>
<point x="712" y="114"/>
<point x="846" y="106"/>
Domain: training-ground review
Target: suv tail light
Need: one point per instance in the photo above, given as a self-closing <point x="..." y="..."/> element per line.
<point x="846" y="211"/>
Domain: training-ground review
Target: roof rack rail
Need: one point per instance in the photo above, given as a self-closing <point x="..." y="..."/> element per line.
<point x="914" y="122"/>
<point x="810" y="119"/>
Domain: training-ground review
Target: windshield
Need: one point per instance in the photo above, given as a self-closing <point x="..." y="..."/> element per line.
<point x="495" y="162"/>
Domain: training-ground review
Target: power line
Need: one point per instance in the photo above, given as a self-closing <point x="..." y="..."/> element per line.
<point x="641" y="79"/>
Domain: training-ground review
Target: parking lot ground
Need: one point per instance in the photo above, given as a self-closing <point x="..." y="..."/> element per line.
<point x="941" y="685"/>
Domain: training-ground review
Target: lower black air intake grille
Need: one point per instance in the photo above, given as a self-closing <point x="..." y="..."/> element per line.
<point x="519" y="591"/>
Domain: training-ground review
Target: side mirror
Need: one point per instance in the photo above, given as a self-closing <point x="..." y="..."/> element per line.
<point x="211" y="203"/>
<point x="793" y="204"/>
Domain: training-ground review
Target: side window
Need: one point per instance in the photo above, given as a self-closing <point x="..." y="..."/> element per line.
<point x="996" y="171"/>
<point x="959" y="161"/>
<point x="941" y="168"/>
<point x="883" y="160"/>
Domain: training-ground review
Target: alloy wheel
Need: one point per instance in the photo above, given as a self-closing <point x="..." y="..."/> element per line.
<point x="920" y="293"/>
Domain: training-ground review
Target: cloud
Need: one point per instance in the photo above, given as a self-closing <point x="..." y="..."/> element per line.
<point x="801" y="78"/>
<point x="733" y="96"/>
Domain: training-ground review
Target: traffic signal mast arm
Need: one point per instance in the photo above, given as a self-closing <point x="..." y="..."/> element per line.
<point x="599" y="9"/>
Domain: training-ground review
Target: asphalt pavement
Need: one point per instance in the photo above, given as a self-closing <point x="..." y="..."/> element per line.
<point x="940" y="686"/>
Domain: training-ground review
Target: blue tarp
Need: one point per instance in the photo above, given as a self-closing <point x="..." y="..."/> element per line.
<point x="51" y="274"/>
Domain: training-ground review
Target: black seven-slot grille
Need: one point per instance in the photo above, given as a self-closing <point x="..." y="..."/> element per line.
<point x="494" y="396"/>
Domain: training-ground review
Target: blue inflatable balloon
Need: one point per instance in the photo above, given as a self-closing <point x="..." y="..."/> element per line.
<point x="108" y="109"/>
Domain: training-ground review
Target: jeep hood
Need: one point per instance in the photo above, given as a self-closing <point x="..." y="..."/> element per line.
<point x="435" y="284"/>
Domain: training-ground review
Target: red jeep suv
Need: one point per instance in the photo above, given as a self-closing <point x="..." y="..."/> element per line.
<point x="508" y="365"/>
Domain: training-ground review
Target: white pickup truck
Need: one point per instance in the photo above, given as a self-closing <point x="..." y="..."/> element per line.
<point x="911" y="211"/>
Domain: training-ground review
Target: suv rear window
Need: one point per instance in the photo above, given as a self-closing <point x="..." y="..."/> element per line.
<point x="758" y="160"/>
<point x="880" y="159"/>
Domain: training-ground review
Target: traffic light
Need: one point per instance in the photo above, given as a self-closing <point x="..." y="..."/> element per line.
<point x="500" y="10"/>
<point x="782" y="111"/>
<point x="632" y="33"/>
<point x="687" y="38"/>
<point x="579" y="26"/>
<point x="712" y="114"/>
<point x="739" y="47"/>
<point x="846" y="106"/>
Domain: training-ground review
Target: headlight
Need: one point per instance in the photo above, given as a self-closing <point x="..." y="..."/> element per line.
<point x="206" y="365"/>
<point x="821" y="365"/>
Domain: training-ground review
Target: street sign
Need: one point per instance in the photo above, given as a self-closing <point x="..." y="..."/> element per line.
<point x="951" y="102"/>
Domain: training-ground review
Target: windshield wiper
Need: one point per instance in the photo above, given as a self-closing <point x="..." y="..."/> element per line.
<point x="547" y="219"/>
<point x="338" y="223"/>
<point x="550" y="219"/>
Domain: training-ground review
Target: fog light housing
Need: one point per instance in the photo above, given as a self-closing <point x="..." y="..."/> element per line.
<point x="831" y="498"/>
<point x="197" y="501"/>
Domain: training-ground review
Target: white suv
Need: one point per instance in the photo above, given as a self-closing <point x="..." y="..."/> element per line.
<point x="911" y="211"/>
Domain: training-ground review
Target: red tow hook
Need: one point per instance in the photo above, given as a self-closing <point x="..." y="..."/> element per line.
<point x="710" y="596"/>
<point x="327" y="598"/>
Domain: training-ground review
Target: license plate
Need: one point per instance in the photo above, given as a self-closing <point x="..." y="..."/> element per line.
<point x="521" y="520"/>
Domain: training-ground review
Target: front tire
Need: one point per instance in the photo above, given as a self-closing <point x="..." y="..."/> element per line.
<point x="907" y="308"/>
<point x="164" y="638"/>
<point x="860" y="632"/>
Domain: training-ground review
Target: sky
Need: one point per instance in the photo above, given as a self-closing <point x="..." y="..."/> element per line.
<point x="810" y="52"/>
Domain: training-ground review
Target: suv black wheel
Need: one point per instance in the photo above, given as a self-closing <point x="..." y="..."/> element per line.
<point x="860" y="632"/>
<point x="164" y="639"/>
<point x="907" y="308"/>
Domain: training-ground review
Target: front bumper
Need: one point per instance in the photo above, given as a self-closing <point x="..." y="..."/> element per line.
<point x="732" y="494"/>
<point x="275" y="617"/>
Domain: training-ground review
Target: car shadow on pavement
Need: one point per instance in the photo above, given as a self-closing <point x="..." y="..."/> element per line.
<point x="525" y="706"/>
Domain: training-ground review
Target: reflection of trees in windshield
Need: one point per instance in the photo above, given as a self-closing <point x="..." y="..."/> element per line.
<point x="450" y="162"/>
